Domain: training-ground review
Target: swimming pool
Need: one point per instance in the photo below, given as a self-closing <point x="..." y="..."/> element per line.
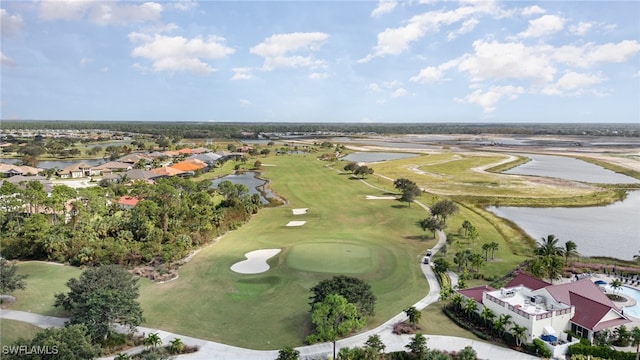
<point x="632" y="293"/>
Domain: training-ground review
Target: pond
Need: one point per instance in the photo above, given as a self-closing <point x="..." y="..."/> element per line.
<point x="249" y="180"/>
<point x="60" y="164"/>
<point x="570" y="169"/>
<point x="611" y="231"/>
<point x="375" y="156"/>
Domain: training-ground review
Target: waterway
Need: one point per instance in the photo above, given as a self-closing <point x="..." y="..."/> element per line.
<point x="375" y="156"/>
<point x="249" y="180"/>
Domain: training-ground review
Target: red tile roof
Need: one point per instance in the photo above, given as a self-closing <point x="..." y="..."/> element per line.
<point x="128" y="200"/>
<point x="584" y="287"/>
<point x="476" y="292"/>
<point x="527" y="281"/>
<point x="589" y="313"/>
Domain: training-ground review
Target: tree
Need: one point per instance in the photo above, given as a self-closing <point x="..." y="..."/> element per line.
<point x="410" y="193"/>
<point x="351" y="167"/>
<point x="501" y="323"/>
<point x="257" y="164"/>
<point x="519" y="333"/>
<point x="176" y="346"/>
<point x="635" y="340"/>
<point x="418" y="346"/>
<point x="461" y="259"/>
<point x="403" y="183"/>
<point x="265" y="152"/>
<point x="413" y="314"/>
<point x="153" y="340"/>
<point x="466" y="225"/>
<point x="363" y="171"/>
<point x="549" y="247"/>
<point x="288" y="353"/>
<point x="486" y="247"/>
<point x="493" y="246"/>
<point x="623" y="336"/>
<point x="432" y="224"/>
<point x="10" y="281"/>
<point x="334" y="317"/>
<point x="356" y="292"/>
<point x="487" y="315"/>
<point x="470" y="307"/>
<point x="616" y="285"/>
<point x="467" y="354"/>
<point x="554" y="267"/>
<point x="476" y="260"/>
<point x="101" y="298"/>
<point x="440" y="265"/>
<point x="374" y="342"/>
<point x="71" y="342"/>
<point x="456" y="301"/>
<point x="569" y="250"/>
<point x="443" y="209"/>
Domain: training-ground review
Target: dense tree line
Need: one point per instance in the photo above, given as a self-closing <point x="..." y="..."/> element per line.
<point x="245" y="130"/>
<point x="88" y="226"/>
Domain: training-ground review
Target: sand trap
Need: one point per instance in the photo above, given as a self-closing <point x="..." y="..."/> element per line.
<point x="296" y="223"/>
<point x="371" y="197"/>
<point x="299" y="211"/>
<point x="256" y="262"/>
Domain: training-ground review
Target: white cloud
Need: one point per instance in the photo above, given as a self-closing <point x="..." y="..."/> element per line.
<point x="581" y="28"/>
<point x="184" y="5"/>
<point x="100" y="12"/>
<point x="394" y="41"/>
<point x="245" y="103"/>
<point x="542" y="26"/>
<point x="242" y="73"/>
<point x="5" y="60"/>
<point x="279" y="51"/>
<point x="318" y="76"/>
<point x="375" y="87"/>
<point x="11" y="25"/>
<point x="489" y="99"/>
<point x="85" y="61"/>
<point x="176" y="53"/>
<point x="493" y="60"/>
<point x="428" y="75"/>
<point x="533" y="10"/>
<point x="572" y="83"/>
<point x="467" y="27"/>
<point x="399" y="93"/>
<point x="391" y="84"/>
<point x="611" y="52"/>
<point x="384" y="7"/>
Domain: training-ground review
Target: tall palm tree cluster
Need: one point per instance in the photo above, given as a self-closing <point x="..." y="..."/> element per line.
<point x="552" y="258"/>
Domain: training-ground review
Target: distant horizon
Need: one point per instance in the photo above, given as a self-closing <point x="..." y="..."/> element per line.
<point x="384" y="61"/>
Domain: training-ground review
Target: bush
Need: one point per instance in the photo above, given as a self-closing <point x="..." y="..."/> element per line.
<point x="541" y="349"/>
<point x="604" y="352"/>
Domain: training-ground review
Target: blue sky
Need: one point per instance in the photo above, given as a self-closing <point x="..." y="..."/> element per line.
<point x="321" y="61"/>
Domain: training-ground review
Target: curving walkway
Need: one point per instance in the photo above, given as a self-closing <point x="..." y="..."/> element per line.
<point x="210" y="349"/>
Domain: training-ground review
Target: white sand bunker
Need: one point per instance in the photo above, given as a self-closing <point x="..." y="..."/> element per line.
<point x="256" y="261"/>
<point x="299" y="211"/>
<point x="296" y="223"/>
<point x="371" y="197"/>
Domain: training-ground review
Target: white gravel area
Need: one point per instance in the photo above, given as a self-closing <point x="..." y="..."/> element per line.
<point x="256" y="261"/>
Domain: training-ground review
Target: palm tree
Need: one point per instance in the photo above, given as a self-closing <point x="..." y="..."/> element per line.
<point x="616" y="285"/>
<point x="501" y="323"/>
<point x="486" y="247"/>
<point x="413" y="314"/>
<point x="549" y="247"/>
<point x="493" y="246"/>
<point x="569" y="250"/>
<point x="153" y="340"/>
<point x="122" y="356"/>
<point x="456" y="301"/>
<point x="555" y="265"/>
<point x="519" y="333"/>
<point x="374" y="342"/>
<point x="176" y="346"/>
<point x="418" y="346"/>
<point x="635" y="340"/>
<point x="487" y="315"/>
<point x="470" y="307"/>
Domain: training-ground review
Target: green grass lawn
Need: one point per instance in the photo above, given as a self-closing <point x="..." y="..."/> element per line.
<point x="375" y="240"/>
<point x="42" y="282"/>
<point x="433" y="321"/>
<point x="12" y="330"/>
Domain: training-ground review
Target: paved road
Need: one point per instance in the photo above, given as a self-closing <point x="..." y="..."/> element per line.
<point x="213" y="350"/>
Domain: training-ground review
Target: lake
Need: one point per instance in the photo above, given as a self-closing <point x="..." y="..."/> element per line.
<point x="60" y="164"/>
<point x="375" y="156"/>
<point x="249" y="180"/>
<point x="612" y="230"/>
<point x="570" y="169"/>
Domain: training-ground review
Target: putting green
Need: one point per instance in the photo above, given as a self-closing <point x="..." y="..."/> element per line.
<point x="331" y="257"/>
